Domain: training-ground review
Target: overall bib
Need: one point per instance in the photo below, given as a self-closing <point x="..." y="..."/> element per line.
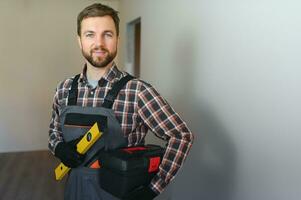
<point x="83" y="182"/>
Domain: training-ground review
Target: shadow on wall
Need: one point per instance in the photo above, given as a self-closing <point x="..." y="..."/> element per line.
<point x="208" y="172"/>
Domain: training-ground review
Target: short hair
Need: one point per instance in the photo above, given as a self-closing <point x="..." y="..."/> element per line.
<point x="97" y="10"/>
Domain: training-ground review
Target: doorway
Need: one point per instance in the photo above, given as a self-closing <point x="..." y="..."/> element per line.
<point x="134" y="47"/>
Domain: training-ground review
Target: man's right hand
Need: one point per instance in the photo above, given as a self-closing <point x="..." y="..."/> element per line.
<point x="67" y="153"/>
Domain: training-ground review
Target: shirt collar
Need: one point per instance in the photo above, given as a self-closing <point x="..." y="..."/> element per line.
<point x="111" y="76"/>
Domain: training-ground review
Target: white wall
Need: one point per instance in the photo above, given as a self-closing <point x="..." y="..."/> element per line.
<point x="232" y="70"/>
<point x="38" y="48"/>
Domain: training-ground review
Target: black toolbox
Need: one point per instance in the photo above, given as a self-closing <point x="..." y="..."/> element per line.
<point x="125" y="169"/>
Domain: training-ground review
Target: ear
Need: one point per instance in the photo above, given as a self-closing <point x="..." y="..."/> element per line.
<point x="79" y="42"/>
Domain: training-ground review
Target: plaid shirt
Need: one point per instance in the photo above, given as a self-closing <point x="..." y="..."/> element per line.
<point x="138" y="107"/>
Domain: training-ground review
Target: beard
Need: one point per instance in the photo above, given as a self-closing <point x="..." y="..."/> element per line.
<point x="99" y="62"/>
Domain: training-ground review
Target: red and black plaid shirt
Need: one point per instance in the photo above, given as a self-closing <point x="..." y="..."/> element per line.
<point x="138" y="107"/>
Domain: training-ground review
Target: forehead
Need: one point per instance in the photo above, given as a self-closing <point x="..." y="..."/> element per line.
<point x="98" y="24"/>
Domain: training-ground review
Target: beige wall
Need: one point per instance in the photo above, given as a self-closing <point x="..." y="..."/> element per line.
<point x="38" y="48"/>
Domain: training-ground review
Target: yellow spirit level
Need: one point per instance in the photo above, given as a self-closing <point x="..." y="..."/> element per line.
<point x="82" y="147"/>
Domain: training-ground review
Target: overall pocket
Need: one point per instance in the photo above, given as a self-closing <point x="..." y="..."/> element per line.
<point x="77" y="124"/>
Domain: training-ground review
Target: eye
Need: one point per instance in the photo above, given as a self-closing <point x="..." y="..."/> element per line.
<point x="109" y="35"/>
<point x="89" y="35"/>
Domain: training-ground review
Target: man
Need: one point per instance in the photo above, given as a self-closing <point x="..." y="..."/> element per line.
<point x="126" y="118"/>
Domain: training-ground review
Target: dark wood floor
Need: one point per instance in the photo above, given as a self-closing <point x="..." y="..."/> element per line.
<point x="29" y="176"/>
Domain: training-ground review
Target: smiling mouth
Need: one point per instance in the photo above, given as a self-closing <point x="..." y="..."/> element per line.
<point x="99" y="53"/>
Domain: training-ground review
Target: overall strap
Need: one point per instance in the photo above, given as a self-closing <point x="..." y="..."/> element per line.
<point x="112" y="94"/>
<point x="73" y="92"/>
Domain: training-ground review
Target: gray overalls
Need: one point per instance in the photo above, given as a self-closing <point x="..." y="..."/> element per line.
<point x="83" y="182"/>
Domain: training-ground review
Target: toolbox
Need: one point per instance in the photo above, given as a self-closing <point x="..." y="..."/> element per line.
<point x="125" y="169"/>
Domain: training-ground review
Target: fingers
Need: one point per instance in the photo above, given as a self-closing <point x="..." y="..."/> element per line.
<point x="76" y="158"/>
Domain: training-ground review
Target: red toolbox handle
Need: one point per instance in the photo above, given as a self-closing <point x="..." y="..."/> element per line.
<point x="133" y="149"/>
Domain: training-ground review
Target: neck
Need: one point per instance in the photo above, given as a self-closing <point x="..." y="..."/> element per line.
<point x="94" y="73"/>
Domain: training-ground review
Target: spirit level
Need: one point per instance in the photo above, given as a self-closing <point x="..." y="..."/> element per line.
<point x="82" y="147"/>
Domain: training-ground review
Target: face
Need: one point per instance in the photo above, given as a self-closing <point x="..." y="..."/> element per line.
<point x="98" y="40"/>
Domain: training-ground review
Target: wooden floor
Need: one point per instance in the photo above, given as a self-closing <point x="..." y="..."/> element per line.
<point x="29" y="176"/>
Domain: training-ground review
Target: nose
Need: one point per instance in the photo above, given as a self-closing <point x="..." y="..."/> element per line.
<point x="99" y="41"/>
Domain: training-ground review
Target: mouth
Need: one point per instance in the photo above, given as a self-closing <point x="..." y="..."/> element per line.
<point x="99" y="53"/>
